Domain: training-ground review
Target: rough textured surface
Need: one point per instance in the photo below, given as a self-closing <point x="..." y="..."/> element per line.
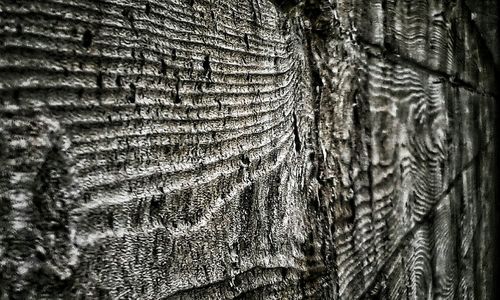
<point x="213" y="149"/>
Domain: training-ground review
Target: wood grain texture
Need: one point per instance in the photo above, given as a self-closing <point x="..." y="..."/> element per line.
<point x="262" y="149"/>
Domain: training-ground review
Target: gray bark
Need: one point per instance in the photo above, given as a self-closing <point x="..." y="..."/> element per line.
<point x="219" y="149"/>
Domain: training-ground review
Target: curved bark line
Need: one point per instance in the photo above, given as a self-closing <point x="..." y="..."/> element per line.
<point x="401" y="165"/>
<point x="210" y="149"/>
<point x="189" y="137"/>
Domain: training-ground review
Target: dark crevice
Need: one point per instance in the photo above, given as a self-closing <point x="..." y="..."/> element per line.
<point x="132" y="96"/>
<point x="110" y="220"/>
<point x="207" y="68"/>
<point x="19" y="29"/>
<point x="286" y="5"/>
<point x="15" y="96"/>
<point x="87" y="39"/>
<point x="245" y="160"/>
<point x="245" y="38"/>
<point x="163" y="67"/>
<point x="118" y="81"/>
<point x="177" y="98"/>
<point x="99" y="80"/>
<point x="298" y="144"/>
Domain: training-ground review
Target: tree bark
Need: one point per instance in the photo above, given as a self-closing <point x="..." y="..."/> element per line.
<point x="219" y="149"/>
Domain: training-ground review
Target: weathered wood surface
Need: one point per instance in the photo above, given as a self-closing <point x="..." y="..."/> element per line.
<point x="213" y="149"/>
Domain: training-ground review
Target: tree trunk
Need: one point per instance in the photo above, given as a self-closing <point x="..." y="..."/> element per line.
<point x="253" y="149"/>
